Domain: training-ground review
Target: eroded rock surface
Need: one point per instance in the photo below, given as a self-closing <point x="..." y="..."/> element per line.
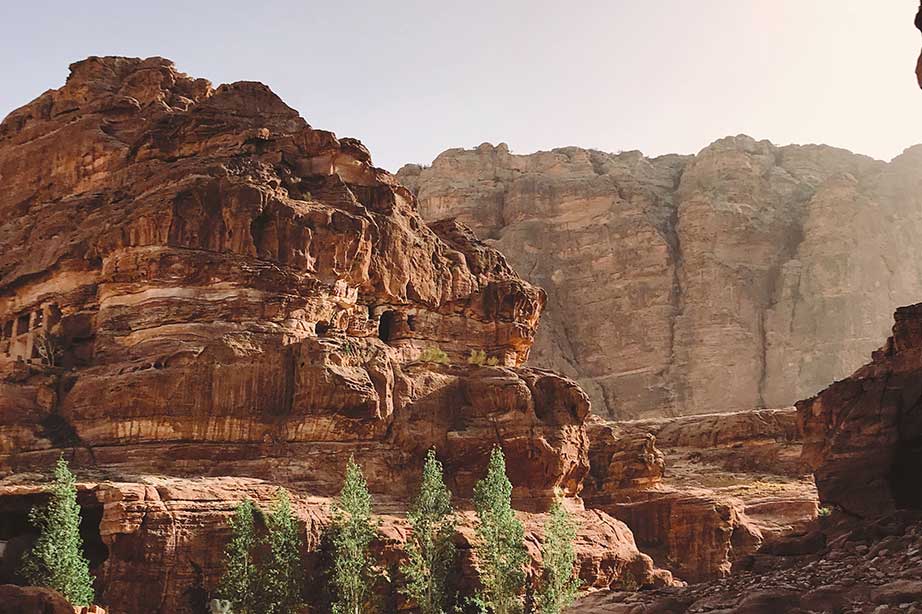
<point x="863" y="435"/>
<point x="157" y="544"/>
<point x="195" y="284"/>
<point x="32" y="600"/>
<point x="701" y="493"/>
<point x="840" y="566"/>
<point x="745" y="276"/>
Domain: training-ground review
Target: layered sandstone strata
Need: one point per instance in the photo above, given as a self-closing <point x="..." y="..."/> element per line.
<point x="195" y="284"/>
<point x="745" y="276"/>
<point x="700" y="493"/>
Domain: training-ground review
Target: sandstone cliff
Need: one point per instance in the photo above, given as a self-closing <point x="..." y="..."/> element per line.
<point x="202" y="297"/>
<point x="745" y="276"/>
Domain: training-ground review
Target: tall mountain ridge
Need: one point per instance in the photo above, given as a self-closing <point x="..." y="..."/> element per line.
<point x="746" y="276"/>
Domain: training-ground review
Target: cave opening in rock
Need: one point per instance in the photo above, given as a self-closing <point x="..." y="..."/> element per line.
<point x="906" y="476"/>
<point x="386" y="326"/>
<point x="321" y="328"/>
<point x="17" y="534"/>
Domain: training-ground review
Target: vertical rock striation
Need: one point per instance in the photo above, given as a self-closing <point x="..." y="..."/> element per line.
<point x="203" y="298"/>
<point x="748" y="275"/>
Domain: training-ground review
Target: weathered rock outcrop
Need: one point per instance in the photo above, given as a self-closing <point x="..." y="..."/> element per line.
<point x="863" y="435"/>
<point x="236" y="280"/>
<point x="857" y="568"/>
<point x="745" y="276"/>
<point x="31" y="600"/>
<point x="195" y="282"/>
<point x="702" y="492"/>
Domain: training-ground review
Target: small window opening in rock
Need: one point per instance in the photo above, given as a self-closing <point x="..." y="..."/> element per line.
<point x="22" y="324"/>
<point x="411" y="322"/>
<point x="371" y="312"/>
<point x="321" y="328"/>
<point x="386" y="326"/>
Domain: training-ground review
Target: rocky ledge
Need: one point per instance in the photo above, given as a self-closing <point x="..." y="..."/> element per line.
<point x="871" y="566"/>
<point x="702" y="493"/>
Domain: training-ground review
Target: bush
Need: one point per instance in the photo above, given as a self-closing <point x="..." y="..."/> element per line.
<point x="56" y="560"/>
<point x="500" y="540"/>
<point x="480" y="358"/>
<point x="434" y="354"/>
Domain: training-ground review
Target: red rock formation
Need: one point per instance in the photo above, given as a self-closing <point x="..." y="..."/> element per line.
<point x="863" y="435"/>
<point x="31" y="600"/>
<point x="237" y="280"/>
<point x="195" y="282"/>
<point x="701" y="492"/>
<point x="864" y="567"/>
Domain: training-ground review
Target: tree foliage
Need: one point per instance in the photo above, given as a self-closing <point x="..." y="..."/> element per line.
<point x="280" y="577"/>
<point x="56" y="560"/>
<point x="434" y="354"/>
<point x="430" y="548"/>
<point x="558" y="584"/>
<point x="263" y="573"/>
<point x="240" y="581"/>
<point x="353" y="532"/>
<point x="500" y="545"/>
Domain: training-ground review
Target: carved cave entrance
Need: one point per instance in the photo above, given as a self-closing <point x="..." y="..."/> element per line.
<point x="387" y="325"/>
<point x="17" y="534"/>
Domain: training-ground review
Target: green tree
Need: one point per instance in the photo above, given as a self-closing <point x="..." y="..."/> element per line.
<point x="558" y="585"/>
<point x="430" y="549"/>
<point x="280" y="575"/>
<point x="56" y="560"/>
<point x="353" y="532"/>
<point x="500" y="545"/>
<point x="240" y="581"/>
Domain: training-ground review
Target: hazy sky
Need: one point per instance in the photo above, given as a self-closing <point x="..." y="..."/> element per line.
<point x="412" y="78"/>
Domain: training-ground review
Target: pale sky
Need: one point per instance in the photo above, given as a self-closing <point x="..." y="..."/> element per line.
<point x="412" y="78"/>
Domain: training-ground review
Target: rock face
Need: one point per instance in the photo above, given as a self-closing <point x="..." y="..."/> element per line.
<point x="31" y="600"/>
<point x="863" y="435"/>
<point x="746" y="276"/>
<point x="841" y="566"/>
<point x="701" y="493"/>
<point x="238" y="283"/>
<point x="197" y="285"/>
